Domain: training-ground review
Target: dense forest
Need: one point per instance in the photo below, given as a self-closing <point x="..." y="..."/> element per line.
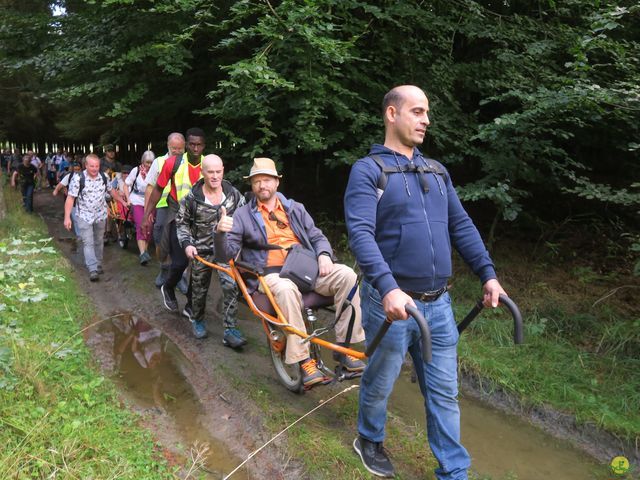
<point x="535" y="104"/>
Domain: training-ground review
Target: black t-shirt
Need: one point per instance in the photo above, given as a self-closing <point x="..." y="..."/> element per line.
<point x="26" y="174"/>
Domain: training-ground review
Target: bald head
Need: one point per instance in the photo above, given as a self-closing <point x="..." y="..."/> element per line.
<point x="405" y="113"/>
<point x="211" y="161"/>
<point x="397" y="96"/>
<point x="212" y="173"/>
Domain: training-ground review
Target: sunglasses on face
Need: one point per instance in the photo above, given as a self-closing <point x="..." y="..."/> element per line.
<point x="279" y="223"/>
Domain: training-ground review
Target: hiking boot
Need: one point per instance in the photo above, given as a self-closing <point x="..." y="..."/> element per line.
<point x="93" y="276"/>
<point x="100" y="270"/>
<point x="145" y="258"/>
<point x="187" y="312"/>
<point x="310" y="373"/>
<point x="169" y="298"/>
<point x="233" y="338"/>
<point x="349" y="362"/>
<point x="183" y="286"/>
<point x="199" y="330"/>
<point x="373" y="456"/>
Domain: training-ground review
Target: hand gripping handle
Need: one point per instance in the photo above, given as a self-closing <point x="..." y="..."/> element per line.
<point x="424" y="331"/>
<point x="518" y="335"/>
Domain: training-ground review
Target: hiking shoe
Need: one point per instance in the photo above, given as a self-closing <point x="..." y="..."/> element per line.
<point x="199" y="330"/>
<point x="169" y="298"/>
<point x="373" y="456"/>
<point x="145" y="258"/>
<point x="183" y="286"/>
<point x="310" y="373"/>
<point x="93" y="276"/>
<point x="187" y="312"/>
<point x="233" y="338"/>
<point x="349" y="362"/>
<point x="100" y="270"/>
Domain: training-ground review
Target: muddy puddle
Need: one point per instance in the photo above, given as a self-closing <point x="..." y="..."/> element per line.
<point x="152" y="373"/>
<point x="502" y="446"/>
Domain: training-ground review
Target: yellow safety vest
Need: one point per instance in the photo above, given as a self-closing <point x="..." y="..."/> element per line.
<point x="182" y="179"/>
<point x="165" y="193"/>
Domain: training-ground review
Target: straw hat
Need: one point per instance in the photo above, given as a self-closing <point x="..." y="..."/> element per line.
<point x="263" y="166"/>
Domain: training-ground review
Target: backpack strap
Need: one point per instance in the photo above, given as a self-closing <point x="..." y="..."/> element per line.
<point x="433" y="167"/>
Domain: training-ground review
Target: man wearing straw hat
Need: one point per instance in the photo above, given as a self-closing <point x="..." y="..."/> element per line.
<point x="272" y="219"/>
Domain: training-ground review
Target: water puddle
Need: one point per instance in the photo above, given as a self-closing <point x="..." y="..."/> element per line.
<point x="150" y="371"/>
<point x="502" y="446"/>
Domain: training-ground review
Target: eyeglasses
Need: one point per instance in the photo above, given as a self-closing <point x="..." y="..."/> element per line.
<point x="279" y="223"/>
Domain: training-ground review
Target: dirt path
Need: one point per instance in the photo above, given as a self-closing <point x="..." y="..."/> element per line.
<point x="228" y="415"/>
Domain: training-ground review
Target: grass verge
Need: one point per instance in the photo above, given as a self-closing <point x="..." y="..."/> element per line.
<point x="576" y="357"/>
<point x="59" y="416"/>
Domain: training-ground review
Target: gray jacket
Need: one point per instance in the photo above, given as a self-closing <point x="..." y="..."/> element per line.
<point x="196" y="220"/>
<point x="249" y="235"/>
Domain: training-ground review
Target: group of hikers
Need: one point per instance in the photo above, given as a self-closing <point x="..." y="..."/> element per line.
<point x="403" y="216"/>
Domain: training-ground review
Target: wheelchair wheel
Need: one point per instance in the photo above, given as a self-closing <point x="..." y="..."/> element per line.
<point x="289" y="375"/>
<point x="128" y="233"/>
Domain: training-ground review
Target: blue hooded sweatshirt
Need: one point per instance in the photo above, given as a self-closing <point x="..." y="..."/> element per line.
<point x="402" y="239"/>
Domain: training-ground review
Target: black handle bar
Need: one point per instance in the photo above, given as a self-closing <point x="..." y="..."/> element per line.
<point x="518" y="335"/>
<point x="424" y="330"/>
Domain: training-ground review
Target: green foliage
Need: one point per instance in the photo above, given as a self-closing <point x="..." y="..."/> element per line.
<point x="528" y="101"/>
<point x="59" y="417"/>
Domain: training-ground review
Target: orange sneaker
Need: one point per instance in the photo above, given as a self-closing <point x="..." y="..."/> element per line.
<point x="310" y="373"/>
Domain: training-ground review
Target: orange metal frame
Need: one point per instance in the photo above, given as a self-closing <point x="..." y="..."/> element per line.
<point x="234" y="272"/>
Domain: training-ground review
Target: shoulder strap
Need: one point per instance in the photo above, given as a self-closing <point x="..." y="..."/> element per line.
<point x="134" y="187"/>
<point x="176" y="166"/>
<point x="432" y="166"/>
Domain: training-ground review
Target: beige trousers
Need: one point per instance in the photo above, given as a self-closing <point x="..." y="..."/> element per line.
<point x="337" y="284"/>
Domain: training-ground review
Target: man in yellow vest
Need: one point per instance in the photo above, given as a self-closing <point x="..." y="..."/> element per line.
<point x="175" y="146"/>
<point x="183" y="171"/>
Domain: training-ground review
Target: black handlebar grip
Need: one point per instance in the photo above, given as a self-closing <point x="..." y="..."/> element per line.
<point x="518" y="335"/>
<point x="376" y="340"/>
<point x="424" y="330"/>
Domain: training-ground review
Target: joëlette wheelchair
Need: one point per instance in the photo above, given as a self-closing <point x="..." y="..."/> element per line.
<point x="121" y="220"/>
<point x="276" y="327"/>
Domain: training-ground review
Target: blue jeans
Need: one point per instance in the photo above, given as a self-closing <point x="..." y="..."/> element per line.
<point x="438" y="380"/>
<point x="27" y="196"/>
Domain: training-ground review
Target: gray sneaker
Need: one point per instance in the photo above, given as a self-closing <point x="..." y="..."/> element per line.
<point x="169" y="298"/>
<point x="93" y="276"/>
<point x="373" y="456"/>
<point x="233" y="338"/>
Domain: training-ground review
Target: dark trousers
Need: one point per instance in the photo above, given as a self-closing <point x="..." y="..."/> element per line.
<point x="51" y="177"/>
<point x="27" y="196"/>
<point x="179" y="260"/>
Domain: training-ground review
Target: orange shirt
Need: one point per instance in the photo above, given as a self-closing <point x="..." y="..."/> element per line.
<point x="278" y="233"/>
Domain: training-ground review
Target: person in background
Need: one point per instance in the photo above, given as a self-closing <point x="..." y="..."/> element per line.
<point x="186" y="173"/>
<point x="175" y="146"/>
<point x="88" y="191"/>
<point x="135" y="186"/>
<point x="26" y="176"/>
<point x="76" y="169"/>
<point x="108" y="163"/>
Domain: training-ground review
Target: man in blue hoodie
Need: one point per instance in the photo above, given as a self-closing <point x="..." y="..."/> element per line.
<point x="403" y="215"/>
